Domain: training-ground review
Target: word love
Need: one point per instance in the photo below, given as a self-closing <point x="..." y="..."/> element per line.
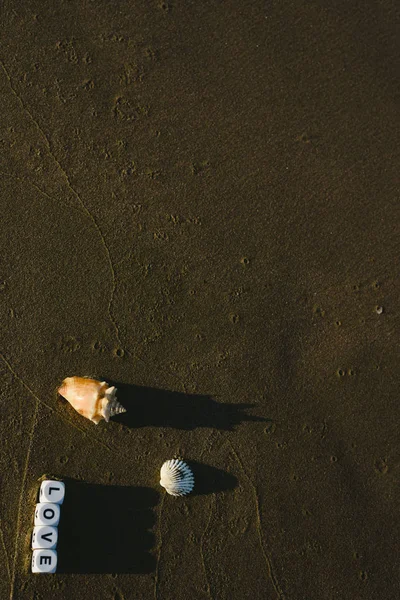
<point x="45" y="532"/>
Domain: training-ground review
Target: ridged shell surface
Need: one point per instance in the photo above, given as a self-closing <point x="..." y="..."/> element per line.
<point x="176" y="477"/>
<point x="92" y="399"/>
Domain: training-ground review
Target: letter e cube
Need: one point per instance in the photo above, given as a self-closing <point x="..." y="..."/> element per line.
<point x="44" y="561"/>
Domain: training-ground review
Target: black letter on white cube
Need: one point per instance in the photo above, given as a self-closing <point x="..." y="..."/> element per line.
<point x="44" y="561"/>
<point x="52" y="491"/>
<point x="47" y="514"/>
<point x="44" y="537"/>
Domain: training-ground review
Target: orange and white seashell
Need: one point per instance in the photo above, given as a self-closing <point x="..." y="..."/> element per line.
<point x="92" y="399"/>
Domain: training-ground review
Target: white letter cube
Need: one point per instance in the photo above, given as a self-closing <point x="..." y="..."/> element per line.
<point x="47" y="514"/>
<point x="44" y="537"/>
<point x="52" y="491"/>
<point x="44" y="561"/>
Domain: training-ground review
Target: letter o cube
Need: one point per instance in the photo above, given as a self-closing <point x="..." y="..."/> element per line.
<point x="52" y="491"/>
<point x="44" y="537"/>
<point x="47" y="513"/>
<point x="44" y="561"/>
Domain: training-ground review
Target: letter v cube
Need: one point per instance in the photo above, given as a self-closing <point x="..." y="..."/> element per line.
<point x="44" y="537"/>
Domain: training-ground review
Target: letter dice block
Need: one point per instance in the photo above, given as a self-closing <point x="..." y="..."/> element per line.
<point x="44" y="561"/>
<point x="52" y="491"/>
<point x="47" y="514"/>
<point x="44" y="537"/>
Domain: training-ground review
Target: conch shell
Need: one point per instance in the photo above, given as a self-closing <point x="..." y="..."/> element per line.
<point x="92" y="399"/>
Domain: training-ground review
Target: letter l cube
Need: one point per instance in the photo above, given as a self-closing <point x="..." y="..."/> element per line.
<point x="52" y="491"/>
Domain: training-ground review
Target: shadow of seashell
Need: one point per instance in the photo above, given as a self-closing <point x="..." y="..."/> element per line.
<point x="210" y="480"/>
<point x="151" y="407"/>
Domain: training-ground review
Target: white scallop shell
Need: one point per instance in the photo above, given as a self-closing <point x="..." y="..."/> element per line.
<point x="176" y="477"/>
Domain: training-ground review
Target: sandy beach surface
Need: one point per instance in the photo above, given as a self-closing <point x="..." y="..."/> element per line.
<point x="199" y="205"/>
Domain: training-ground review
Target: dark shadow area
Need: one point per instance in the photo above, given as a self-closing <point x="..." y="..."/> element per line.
<point x="105" y="529"/>
<point x="163" y="408"/>
<point x="210" y="480"/>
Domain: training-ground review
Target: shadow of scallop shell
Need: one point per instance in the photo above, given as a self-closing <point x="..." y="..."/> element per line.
<point x="176" y="477"/>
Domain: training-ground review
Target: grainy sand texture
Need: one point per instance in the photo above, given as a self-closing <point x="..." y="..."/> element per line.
<point x="199" y="205"/>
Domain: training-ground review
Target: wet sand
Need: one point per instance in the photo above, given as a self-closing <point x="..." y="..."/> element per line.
<point x="199" y="203"/>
